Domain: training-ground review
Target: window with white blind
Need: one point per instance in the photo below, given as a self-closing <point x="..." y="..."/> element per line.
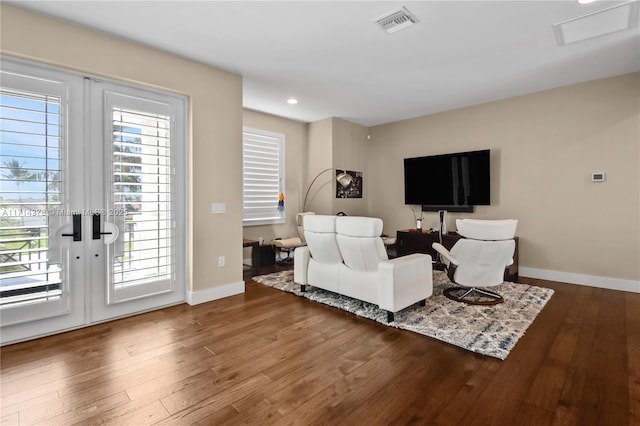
<point x="262" y="177"/>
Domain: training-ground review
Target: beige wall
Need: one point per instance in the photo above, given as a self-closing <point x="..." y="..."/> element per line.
<point x="544" y="148"/>
<point x="350" y="153"/>
<point x="339" y="144"/>
<point x="320" y="157"/>
<point x="215" y="124"/>
<point x="295" y="162"/>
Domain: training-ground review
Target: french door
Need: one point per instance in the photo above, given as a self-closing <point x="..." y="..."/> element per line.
<point x="92" y="212"/>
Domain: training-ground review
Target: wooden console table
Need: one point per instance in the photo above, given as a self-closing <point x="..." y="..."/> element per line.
<point x="410" y="241"/>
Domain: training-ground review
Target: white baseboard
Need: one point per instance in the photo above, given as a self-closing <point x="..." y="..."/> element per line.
<point x="195" y="298"/>
<point x="573" y="278"/>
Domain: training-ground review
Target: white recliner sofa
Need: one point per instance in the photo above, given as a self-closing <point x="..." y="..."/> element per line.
<point x="346" y="255"/>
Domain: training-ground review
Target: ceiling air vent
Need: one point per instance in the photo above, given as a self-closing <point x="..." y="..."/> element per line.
<point x="396" y="20"/>
<point x="599" y="23"/>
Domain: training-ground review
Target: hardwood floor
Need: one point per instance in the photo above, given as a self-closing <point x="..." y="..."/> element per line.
<point x="268" y="357"/>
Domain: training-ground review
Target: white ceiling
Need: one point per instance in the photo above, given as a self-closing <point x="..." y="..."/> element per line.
<point x="337" y="62"/>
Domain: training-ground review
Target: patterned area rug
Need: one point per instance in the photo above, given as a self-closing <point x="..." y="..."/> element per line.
<point x="487" y="330"/>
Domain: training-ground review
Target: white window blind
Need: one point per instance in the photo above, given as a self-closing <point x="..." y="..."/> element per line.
<point x="262" y="176"/>
<point x="30" y="132"/>
<point x="141" y="180"/>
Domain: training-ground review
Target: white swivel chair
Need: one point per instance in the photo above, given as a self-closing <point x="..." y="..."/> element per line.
<point x="478" y="260"/>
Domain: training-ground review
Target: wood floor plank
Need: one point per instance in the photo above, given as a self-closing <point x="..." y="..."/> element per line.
<point x="606" y="397"/>
<point x="207" y="409"/>
<point x="200" y="362"/>
<point x="632" y="312"/>
<point x="273" y="400"/>
<point x="140" y="415"/>
<point x="391" y="404"/>
<point x="507" y="389"/>
<point x="73" y="412"/>
<point x="356" y="388"/>
<point x="567" y="411"/>
<point x="632" y="302"/>
<point x="267" y="357"/>
<point x="546" y="388"/>
<point x="477" y="372"/>
<point x="10" y="419"/>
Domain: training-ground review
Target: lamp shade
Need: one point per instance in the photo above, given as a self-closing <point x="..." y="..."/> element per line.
<point x="344" y="179"/>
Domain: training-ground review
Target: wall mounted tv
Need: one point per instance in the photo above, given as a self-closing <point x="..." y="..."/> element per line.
<point x="454" y="182"/>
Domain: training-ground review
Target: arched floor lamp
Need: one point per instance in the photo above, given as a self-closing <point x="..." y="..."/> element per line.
<point x="343" y="178"/>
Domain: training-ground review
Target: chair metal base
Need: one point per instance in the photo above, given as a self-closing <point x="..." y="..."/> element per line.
<point x="285" y="260"/>
<point x="473" y="296"/>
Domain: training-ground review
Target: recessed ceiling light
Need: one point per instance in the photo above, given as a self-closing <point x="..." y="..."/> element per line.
<point x="292" y="101"/>
<point x="585" y="1"/>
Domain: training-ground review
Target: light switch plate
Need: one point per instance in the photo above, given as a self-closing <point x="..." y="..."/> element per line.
<point x="218" y="208"/>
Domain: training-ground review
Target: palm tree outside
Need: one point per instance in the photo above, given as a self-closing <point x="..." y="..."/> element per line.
<point x="15" y="171"/>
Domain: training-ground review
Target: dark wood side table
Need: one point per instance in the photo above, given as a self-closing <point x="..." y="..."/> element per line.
<point x="410" y="241"/>
<point x="254" y="244"/>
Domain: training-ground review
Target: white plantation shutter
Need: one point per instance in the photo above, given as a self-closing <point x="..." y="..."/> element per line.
<point x="262" y="176"/>
<point x="31" y="130"/>
<point x="141" y="184"/>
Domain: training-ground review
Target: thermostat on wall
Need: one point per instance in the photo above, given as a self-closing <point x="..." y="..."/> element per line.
<point x="597" y="177"/>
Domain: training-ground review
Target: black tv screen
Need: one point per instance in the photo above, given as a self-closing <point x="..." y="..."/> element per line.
<point x="454" y="182"/>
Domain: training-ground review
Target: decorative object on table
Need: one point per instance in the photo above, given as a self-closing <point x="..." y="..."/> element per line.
<point x="281" y="202"/>
<point x="479" y="259"/>
<point x="487" y="330"/>
<point x="343" y="179"/>
<point x="417" y="219"/>
<point x="353" y="189"/>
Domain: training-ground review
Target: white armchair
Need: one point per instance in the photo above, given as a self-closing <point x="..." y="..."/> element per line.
<point x="479" y="259"/>
<point x="346" y="255"/>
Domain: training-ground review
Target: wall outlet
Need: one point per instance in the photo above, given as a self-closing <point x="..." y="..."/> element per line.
<point x="220" y="261"/>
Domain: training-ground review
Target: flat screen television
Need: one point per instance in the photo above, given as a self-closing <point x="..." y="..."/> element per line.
<point x="453" y="182"/>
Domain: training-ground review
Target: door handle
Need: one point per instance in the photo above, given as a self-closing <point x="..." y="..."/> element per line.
<point x="77" y="228"/>
<point x="96" y="227"/>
